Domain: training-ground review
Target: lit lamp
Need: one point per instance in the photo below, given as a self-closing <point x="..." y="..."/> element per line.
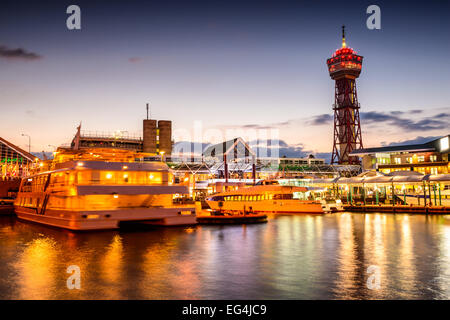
<point x="162" y="156"/>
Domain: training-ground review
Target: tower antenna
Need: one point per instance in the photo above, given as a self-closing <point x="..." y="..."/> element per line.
<point x="343" y="37"/>
<point x="147" y="111"/>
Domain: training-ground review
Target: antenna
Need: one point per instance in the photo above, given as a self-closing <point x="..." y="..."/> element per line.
<point x="343" y="37"/>
<point x="147" y="111"/>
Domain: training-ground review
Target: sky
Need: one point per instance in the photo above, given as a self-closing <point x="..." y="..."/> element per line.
<point x="221" y="69"/>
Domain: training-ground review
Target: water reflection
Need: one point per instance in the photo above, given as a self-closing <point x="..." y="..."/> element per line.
<point x="290" y="257"/>
<point x="36" y="266"/>
<point x="112" y="266"/>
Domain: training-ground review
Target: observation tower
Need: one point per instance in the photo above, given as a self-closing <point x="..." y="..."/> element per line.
<point x="344" y="67"/>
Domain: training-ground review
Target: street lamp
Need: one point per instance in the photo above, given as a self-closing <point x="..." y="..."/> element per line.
<point x="29" y="141"/>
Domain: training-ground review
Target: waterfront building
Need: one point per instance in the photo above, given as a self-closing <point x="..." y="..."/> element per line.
<point x="311" y="160"/>
<point x="156" y="139"/>
<point x="427" y="158"/>
<point x="14" y="161"/>
<point x="118" y="139"/>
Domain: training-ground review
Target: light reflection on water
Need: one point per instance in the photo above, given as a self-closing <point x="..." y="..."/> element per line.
<point x="290" y="257"/>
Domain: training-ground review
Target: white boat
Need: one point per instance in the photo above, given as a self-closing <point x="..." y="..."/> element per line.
<point x="100" y="189"/>
<point x="269" y="196"/>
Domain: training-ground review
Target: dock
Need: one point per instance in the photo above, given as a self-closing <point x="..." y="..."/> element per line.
<point x="398" y="209"/>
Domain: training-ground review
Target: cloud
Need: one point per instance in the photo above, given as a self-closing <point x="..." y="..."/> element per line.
<point x="267" y="142"/>
<point x="256" y="126"/>
<point x="266" y="148"/>
<point x="398" y="119"/>
<point x="259" y="126"/>
<point x="187" y="148"/>
<point x="18" y="54"/>
<point x="417" y="140"/>
<point x="321" y="119"/>
<point x="134" y="59"/>
<point x="435" y="122"/>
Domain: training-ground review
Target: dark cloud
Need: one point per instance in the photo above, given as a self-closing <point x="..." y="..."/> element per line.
<point x="188" y="147"/>
<point x="417" y="140"/>
<point x="395" y="118"/>
<point x="19" y="54"/>
<point x="321" y="119"/>
<point x="436" y="122"/>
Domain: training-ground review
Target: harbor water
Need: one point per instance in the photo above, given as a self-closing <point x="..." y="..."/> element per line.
<point x="333" y="256"/>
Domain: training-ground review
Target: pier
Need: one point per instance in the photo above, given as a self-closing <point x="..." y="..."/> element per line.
<point x="398" y="209"/>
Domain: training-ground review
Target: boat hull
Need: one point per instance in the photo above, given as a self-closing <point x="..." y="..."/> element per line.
<point x="108" y="219"/>
<point x="232" y="219"/>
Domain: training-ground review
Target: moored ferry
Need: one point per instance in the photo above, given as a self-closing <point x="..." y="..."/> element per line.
<point x="100" y="188"/>
<point x="269" y="196"/>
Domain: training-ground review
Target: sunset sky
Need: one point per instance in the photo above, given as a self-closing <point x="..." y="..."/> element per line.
<point x="258" y="65"/>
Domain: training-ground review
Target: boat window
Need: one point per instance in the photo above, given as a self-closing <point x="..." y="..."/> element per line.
<point x="283" y="196"/>
<point x="84" y="177"/>
<point x="299" y="195"/>
<point x="95" y="176"/>
<point x="154" y="177"/>
<point x="108" y="177"/>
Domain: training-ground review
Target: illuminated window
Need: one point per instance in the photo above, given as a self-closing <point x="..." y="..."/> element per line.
<point x="421" y="158"/>
<point x="397" y="160"/>
<point x="444" y="144"/>
<point x="433" y="158"/>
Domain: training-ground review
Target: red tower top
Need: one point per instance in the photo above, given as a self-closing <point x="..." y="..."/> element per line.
<point x="344" y="63"/>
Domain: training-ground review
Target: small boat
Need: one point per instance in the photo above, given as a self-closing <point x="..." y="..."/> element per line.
<point x="269" y="196"/>
<point x="232" y="218"/>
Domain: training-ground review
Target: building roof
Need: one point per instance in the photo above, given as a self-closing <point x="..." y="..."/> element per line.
<point x="17" y="149"/>
<point x="237" y="145"/>
<point x="434" y="145"/>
